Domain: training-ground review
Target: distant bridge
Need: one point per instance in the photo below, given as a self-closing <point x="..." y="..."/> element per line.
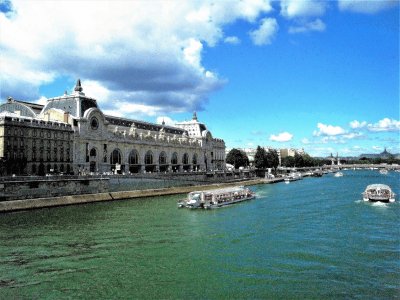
<point x="341" y="167"/>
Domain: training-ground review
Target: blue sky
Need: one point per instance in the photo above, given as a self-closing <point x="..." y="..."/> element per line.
<point x="318" y="75"/>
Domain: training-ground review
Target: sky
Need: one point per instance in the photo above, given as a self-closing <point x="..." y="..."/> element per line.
<point x="318" y="75"/>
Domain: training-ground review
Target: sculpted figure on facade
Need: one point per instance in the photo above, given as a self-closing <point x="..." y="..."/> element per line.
<point x="132" y="131"/>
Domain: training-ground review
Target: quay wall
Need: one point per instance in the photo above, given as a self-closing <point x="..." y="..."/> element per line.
<point x="22" y="188"/>
<point x="14" y="205"/>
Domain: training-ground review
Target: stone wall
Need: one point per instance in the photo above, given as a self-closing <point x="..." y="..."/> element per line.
<point x="39" y="187"/>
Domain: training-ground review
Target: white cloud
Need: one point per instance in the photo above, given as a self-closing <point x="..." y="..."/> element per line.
<point x="356" y="124"/>
<point x="265" y="33"/>
<point x="166" y="120"/>
<point x="131" y="51"/>
<point x="385" y="124"/>
<point x="281" y="137"/>
<point x="366" y="6"/>
<point x="302" y="8"/>
<point x="133" y="110"/>
<point x="42" y="100"/>
<point x="328" y="130"/>
<point x="316" y="25"/>
<point x="234" y="40"/>
<point x="192" y="52"/>
<point x="353" y="135"/>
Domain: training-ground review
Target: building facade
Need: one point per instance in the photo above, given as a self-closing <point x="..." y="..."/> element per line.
<point x="74" y="136"/>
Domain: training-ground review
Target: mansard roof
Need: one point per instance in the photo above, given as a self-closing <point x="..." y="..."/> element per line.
<point x="143" y="125"/>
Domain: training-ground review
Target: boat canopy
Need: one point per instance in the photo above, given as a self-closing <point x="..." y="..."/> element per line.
<point x="378" y="186"/>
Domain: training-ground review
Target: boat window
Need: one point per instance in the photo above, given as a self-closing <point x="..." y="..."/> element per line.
<point x="195" y="196"/>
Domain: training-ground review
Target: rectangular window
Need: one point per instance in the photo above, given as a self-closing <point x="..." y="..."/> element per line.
<point x="87" y="152"/>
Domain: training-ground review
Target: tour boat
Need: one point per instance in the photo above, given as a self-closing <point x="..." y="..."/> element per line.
<point x="216" y="198"/>
<point x="338" y="174"/>
<point x="293" y="177"/>
<point x="378" y="192"/>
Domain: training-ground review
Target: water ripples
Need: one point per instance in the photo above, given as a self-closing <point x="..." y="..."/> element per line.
<point x="314" y="238"/>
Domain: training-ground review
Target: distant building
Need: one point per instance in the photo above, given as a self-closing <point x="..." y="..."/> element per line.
<point x="383" y="155"/>
<point x="286" y="152"/>
<point x="71" y="134"/>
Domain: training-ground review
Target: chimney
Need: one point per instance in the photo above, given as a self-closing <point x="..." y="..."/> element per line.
<point x="66" y="117"/>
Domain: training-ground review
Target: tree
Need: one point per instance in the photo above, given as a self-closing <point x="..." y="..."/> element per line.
<point x="288" y="161"/>
<point x="237" y="158"/>
<point x="298" y="160"/>
<point x="272" y="159"/>
<point x="260" y="158"/>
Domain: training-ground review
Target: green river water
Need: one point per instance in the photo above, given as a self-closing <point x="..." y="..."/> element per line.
<point x="310" y="239"/>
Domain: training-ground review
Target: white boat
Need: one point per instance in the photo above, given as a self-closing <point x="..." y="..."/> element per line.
<point x="378" y="192"/>
<point x="383" y="172"/>
<point x="338" y="174"/>
<point x="293" y="177"/>
<point x="216" y="198"/>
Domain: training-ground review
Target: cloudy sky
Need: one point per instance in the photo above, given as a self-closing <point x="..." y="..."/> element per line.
<point x="318" y="75"/>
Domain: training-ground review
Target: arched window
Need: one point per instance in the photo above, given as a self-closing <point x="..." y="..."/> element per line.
<point x="148" y="159"/>
<point x="93" y="152"/>
<point x="162" y="160"/>
<point x="185" y="159"/>
<point x="115" y="157"/>
<point x="133" y="158"/>
<point x="174" y="158"/>
<point x="34" y="169"/>
<point x="194" y="159"/>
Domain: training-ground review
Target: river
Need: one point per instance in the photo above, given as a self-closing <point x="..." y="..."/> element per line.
<point x="311" y="239"/>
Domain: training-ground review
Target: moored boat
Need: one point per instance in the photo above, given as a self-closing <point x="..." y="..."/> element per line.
<point x="217" y="198"/>
<point x="317" y="173"/>
<point x="293" y="177"/>
<point x="378" y="192"/>
<point x="383" y="172"/>
<point x="338" y="174"/>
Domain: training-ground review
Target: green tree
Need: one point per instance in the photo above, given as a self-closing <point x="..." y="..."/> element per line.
<point x="298" y="160"/>
<point x="260" y="158"/>
<point x="272" y="159"/>
<point x="237" y="158"/>
<point x="288" y="161"/>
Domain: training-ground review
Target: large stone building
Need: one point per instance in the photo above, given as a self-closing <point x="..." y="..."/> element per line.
<point x="71" y="134"/>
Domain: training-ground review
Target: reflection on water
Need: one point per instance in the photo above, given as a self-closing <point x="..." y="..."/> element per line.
<point x="307" y="239"/>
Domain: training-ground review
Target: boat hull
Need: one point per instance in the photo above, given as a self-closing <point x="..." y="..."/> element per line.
<point x="373" y="199"/>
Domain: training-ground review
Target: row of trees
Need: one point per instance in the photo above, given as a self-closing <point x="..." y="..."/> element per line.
<point x="270" y="159"/>
<point x="303" y="160"/>
<point x="373" y="161"/>
<point x="262" y="158"/>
